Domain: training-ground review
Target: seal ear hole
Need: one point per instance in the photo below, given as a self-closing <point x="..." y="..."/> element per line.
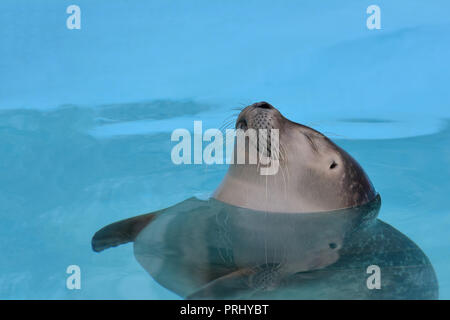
<point x="332" y="245"/>
<point x="333" y="165"/>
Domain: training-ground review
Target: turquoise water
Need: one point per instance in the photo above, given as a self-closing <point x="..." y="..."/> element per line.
<point x="86" y="117"/>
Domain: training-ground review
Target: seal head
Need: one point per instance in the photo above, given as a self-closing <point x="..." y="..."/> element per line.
<point x="314" y="173"/>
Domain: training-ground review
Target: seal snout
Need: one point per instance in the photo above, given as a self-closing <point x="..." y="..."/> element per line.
<point x="259" y="115"/>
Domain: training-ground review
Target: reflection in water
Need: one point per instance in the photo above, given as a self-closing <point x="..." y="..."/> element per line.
<point x="208" y="249"/>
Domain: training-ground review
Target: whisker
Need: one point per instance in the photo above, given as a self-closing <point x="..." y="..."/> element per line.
<point x="227" y="124"/>
<point x="328" y="133"/>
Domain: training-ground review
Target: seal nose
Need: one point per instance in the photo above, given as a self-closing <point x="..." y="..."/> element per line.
<point x="262" y="105"/>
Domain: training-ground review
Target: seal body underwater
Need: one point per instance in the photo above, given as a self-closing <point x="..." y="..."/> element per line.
<point x="308" y="231"/>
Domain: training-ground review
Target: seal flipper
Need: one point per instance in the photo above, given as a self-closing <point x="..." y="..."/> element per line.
<point x="240" y="284"/>
<point x="120" y="232"/>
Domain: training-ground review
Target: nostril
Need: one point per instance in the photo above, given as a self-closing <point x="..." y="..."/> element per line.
<point x="263" y="105"/>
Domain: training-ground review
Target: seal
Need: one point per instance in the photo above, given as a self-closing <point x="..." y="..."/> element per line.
<point x="313" y="225"/>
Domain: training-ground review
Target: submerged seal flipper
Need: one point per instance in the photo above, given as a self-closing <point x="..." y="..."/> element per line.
<point x="241" y="283"/>
<point x="120" y="232"/>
